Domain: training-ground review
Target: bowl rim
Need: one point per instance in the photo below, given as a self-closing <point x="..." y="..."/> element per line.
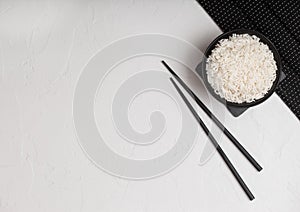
<point x="264" y="40"/>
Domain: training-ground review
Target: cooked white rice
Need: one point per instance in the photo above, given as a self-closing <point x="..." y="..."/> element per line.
<point x="241" y="68"/>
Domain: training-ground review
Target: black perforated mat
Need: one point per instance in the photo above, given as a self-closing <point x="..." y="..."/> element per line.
<point x="279" y="20"/>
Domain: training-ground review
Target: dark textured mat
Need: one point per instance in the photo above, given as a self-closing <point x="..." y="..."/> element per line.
<point x="279" y="20"/>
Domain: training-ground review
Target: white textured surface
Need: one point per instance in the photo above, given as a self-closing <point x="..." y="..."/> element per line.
<point x="43" y="47"/>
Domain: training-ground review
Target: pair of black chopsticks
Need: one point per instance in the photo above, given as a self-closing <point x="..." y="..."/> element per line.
<point x="220" y="125"/>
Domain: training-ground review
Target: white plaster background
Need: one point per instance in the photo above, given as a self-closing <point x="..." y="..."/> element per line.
<point x="43" y="47"/>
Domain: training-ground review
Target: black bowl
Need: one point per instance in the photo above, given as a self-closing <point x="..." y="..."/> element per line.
<point x="264" y="40"/>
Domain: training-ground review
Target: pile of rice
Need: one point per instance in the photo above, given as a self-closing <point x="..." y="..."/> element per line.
<point x="241" y="68"/>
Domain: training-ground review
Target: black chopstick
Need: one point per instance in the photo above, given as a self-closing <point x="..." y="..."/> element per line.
<point x="215" y="119"/>
<point x="215" y="143"/>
